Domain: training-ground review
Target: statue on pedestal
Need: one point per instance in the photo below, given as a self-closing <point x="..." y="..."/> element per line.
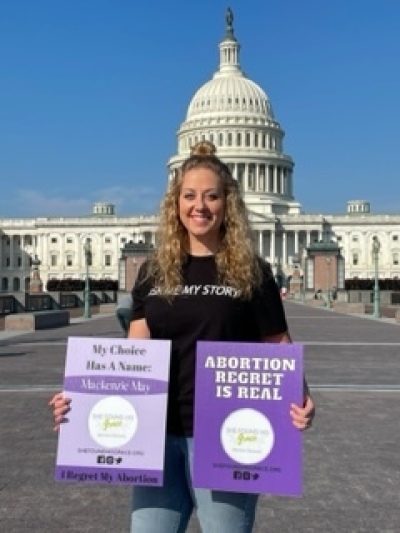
<point x="35" y="283"/>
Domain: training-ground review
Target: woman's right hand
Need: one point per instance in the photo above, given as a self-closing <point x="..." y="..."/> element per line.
<point x="61" y="406"/>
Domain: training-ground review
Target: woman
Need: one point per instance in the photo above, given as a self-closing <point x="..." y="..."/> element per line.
<point x="205" y="282"/>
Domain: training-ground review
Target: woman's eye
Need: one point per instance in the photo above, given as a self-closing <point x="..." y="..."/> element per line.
<point x="188" y="196"/>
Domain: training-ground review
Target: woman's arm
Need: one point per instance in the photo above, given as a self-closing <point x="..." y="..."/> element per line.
<point x="302" y="417"/>
<point x="280" y="338"/>
<point x="139" y="329"/>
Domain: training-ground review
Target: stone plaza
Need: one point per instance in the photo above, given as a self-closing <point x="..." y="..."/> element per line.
<point x="351" y="457"/>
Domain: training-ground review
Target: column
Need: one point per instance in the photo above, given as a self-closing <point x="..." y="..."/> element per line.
<point x="23" y="253"/>
<point x="11" y="251"/>
<point x="347" y="254"/>
<point x="284" y="248"/>
<point x="296" y="242"/>
<point x="260" y="243"/>
<point x="45" y="255"/>
<point x="272" y="247"/>
<point x="279" y="171"/>
<point x="101" y="259"/>
<point x="366" y="251"/>
<point x="117" y="247"/>
<point x="275" y="180"/>
<point x="62" y="251"/>
<point x="246" y="177"/>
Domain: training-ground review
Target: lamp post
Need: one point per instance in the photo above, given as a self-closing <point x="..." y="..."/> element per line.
<point x="376" y="246"/>
<point x="87" y="248"/>
<point x="303" y="279"/>
<point x="328" y="282"/>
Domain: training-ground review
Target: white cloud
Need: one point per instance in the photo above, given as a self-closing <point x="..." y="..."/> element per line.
<point x="30" y="203"/>
<point x="33" y="203"/>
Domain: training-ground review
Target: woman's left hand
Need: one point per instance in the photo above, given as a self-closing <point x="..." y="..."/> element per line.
<point x="302" y="417"/>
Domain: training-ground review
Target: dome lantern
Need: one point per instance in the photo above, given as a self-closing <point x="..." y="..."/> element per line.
<point x="229" y="48"/>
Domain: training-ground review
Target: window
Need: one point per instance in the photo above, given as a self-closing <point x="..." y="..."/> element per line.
<point x="53" y="240"/>
<point x="262" y="183"/>
<point x="123" y="240"/>
<point x="19" y="261"/>
<point x="240" y="174"/>
<point x="53" y="260"/>
<point x="8" y="261"/>
<point x="69" y="260"/>
<point x="229" y="139"/>
<point x="354" y="239"/>
<point x="395" y="238"/>
<point x="270" y="178"/>
<point x="247" y="139"/>
<point x="252" y="177"/>
<point x="396" y="259"/>
<point x="355" y="259"/>
<point x="107" y="240"/>
<point x="238" y="139"/>
<point x="69" y="240"/>
<point x="107" y="260"/>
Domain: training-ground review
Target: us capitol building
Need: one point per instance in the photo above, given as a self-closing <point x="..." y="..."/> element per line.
<point x="235" y="114"/>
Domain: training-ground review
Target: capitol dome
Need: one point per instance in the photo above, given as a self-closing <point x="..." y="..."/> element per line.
<point x="235" y="114"/>
<point x="230" y="92"/>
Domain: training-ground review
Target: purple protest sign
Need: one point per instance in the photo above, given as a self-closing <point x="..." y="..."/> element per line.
<point x="115" y="432"/>
<point x="244" y="439"/>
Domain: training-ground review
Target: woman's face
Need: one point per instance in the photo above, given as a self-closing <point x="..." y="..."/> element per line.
<point x="202" y="208"/>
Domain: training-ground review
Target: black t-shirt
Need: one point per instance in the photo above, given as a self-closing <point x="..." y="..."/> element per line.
<point x="203" y="310"/>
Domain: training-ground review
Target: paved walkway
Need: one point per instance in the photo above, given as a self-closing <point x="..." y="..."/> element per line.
<point x="351" y="459"/>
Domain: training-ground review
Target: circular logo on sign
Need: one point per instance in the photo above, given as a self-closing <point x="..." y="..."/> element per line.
<point x="112" y="422"/>
<point x="247" y="436"/>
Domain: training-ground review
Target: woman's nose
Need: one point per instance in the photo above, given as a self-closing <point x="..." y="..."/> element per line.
<point x="199" y="203"/>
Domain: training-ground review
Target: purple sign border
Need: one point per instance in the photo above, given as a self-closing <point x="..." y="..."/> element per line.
<point x="281" y="472"/>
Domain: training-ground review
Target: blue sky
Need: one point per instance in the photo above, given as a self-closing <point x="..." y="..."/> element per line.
<point x="92" y="93"/>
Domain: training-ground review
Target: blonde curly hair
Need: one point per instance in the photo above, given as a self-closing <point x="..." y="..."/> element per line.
<point x="237" y="262"/>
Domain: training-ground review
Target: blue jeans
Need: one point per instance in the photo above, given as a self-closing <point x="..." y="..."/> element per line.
<point x="124" y="317"/>
<point x="167" y="509"/>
